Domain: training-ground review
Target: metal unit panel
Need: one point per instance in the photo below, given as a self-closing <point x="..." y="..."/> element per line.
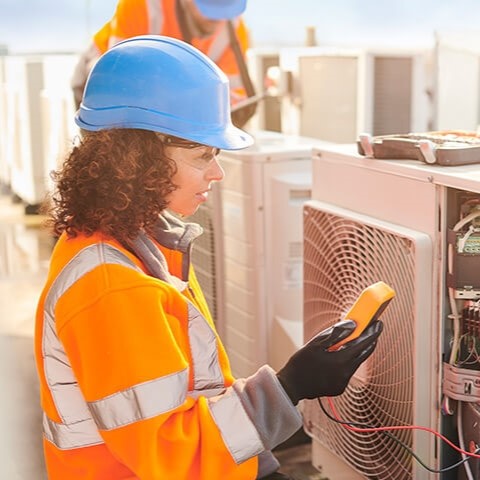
<point x="345" y="252"/>
<point x="258" y="201"/>
<point x="337" y="94"/>
<point x="288" y="185"/>
<point x="363" y="207"/>
<point x="329" y="92"/>
<point x="457" y="81"/>
<point x="344" y="178"/>
<point x="392" y="95"/>
<point x="244" y="327"/>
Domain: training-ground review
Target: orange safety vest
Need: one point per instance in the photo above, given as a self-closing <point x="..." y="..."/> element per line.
<point x="134" y="381"/>
<point x="158" y="17"/>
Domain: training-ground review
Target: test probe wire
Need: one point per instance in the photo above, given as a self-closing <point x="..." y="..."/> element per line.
<point x="364" y="428"/>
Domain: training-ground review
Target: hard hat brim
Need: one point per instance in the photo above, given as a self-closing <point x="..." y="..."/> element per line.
<point x="226" y="137"/>
<point x="161" y="84"/>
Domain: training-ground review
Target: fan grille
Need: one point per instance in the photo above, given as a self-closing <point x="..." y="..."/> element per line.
<point x="342" y="257"/>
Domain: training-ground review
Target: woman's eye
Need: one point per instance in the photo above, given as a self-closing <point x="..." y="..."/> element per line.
<point x="207" y="157"/>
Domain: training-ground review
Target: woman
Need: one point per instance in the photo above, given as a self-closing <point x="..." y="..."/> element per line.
<point x="134" y="380"/>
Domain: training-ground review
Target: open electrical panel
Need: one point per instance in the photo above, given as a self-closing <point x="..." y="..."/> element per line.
<point x="461" y="366"/>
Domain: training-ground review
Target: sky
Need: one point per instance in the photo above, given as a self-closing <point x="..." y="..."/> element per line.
<point x="67" y="25"/>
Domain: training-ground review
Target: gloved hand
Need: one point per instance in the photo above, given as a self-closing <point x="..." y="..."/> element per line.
<point x="313" y="371"/>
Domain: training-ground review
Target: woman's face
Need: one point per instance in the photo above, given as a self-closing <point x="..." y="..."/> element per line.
<point x="197" y="169"/>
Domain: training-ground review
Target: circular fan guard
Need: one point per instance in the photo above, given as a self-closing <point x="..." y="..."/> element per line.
<point x="341" y="258"/>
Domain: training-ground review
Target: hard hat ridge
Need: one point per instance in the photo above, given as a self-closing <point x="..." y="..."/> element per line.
<point x="161" y="84"/>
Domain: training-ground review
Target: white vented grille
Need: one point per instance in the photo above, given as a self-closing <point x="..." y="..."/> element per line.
<point x="392" y="95"/>
<point x="204" y="258"/>
<point x="345" y="252"/>
<point x="207" y="252"/>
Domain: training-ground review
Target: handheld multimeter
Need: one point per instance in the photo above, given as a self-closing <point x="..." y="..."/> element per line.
<point x="368" y="307"/>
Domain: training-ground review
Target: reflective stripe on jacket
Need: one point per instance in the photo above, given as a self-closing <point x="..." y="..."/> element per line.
<point x="134" y="380"/>
<point x="158" y="17"/>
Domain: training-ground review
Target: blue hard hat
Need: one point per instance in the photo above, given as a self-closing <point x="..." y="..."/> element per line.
<point x="162" y="84"/>
<point x="221" y="9"/>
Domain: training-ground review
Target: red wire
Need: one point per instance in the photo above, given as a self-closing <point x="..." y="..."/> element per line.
<point x="397" y="427"/>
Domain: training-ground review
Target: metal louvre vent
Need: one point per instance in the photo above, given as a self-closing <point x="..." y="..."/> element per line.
<point x="392" y="95"/>
<point x="342" y="256"/>
<point x="203" y="257"/>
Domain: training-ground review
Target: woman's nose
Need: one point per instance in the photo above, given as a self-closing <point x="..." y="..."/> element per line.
<point x="215" y="171"/>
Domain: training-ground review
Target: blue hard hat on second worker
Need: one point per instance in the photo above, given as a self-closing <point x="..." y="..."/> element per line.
<point x="162" y="84"/>
<point x="221" y="9"/>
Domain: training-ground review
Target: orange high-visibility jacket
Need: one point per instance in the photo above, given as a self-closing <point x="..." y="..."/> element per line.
<point x="141" y="17"/>
<point x="135" y="383"/>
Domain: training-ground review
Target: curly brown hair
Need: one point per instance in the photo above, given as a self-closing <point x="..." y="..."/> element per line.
<point x="114" y="182"/>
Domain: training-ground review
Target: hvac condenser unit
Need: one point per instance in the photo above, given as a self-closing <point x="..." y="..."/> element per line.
<point x="337" y="94"/>
<point x="27" y="78"/>
<point x="4" y="166"/>
<point x="392" y="220"/>
<point x="251" y="255"/>
<point x="58" y="110"/>
<point x="457" y="81"/>
<point x="262" y="62"/>
<point x="24" y="82"/>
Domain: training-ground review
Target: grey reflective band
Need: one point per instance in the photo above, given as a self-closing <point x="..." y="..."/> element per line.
<point x="142" y="401"/>
<point x="63" y="385"/>
<point x="219" y="44"/>
<point x="211" y="392"/>
<point x="77" y="428"/>
<point x="237" y="430"/>
<point x="85" y="433"/>
<point x="207" y="373"/>
<point x="74" y="435"/>
<point x="155" y="16"/>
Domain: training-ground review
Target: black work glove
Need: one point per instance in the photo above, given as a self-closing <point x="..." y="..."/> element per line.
<point x="313" y="371"/>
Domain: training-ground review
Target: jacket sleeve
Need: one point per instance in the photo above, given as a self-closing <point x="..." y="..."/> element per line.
<point x="129" y="20"/>
<point x="133" y="362"/>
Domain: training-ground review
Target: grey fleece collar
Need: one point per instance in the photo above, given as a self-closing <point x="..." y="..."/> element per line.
<point x="174" y="234"/>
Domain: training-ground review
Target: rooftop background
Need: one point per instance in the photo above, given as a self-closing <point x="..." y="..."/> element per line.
<point x="66" y="25"/>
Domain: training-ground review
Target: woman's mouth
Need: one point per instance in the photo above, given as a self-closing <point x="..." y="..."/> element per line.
<point x="203" y="196"/>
